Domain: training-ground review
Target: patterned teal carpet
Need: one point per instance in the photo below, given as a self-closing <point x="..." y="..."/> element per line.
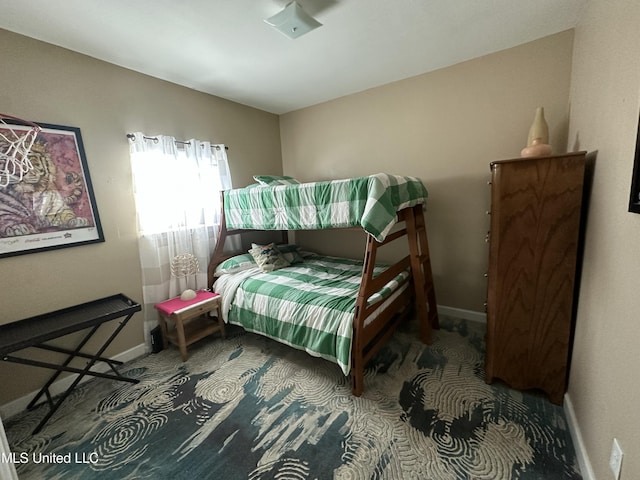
<point x="250" y="408"/>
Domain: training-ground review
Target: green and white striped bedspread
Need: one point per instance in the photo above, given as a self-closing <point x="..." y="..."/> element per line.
<point x="309" y="305"/>
<point x="370" y="202"/>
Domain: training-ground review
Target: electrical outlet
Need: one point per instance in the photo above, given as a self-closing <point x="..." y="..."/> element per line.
<point x="615" y="462"/>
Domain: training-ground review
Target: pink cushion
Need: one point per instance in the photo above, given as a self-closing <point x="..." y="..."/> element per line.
<point x="175" y="304"/>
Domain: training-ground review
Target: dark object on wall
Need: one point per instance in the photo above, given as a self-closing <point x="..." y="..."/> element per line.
<point x="52" y="206"/>
<point x="537" y="205"/>
<point x="634" y="198"/>
<point x="156" y="340"/>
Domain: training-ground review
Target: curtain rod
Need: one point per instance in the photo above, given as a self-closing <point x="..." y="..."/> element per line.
<point x="132" y="136"/>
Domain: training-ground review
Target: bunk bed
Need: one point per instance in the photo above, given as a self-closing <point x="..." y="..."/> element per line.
<point x="387" y="207"/>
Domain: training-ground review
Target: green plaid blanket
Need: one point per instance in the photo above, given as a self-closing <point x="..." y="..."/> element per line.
<point x="309" y="305"/>
<point x="370" y="202"/>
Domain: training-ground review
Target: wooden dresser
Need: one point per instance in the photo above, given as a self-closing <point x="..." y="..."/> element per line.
<point x="536" y="208"/>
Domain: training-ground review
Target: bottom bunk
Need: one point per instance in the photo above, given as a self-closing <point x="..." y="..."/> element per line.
<point x="308" y="305"/>
<point x="342" y="310"/>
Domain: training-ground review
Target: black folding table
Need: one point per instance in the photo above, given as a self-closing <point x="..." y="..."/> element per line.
<point x="34" y="331"/>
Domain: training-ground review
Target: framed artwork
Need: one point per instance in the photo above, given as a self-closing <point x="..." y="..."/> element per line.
<point x="52" y="206"/>
<point x="634" y="198"/>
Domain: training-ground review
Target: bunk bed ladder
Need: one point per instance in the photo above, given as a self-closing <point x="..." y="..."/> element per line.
<point x="427" y="310"/>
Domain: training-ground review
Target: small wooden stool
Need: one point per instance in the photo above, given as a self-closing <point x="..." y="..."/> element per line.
<point x="190" y="318"/>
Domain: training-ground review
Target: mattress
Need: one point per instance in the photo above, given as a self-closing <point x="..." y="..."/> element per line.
<point x="308" y="305"/>
<point x="370" y="202"/>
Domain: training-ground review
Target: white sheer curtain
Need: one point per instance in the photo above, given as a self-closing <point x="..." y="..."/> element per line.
<point x="177" y="191"/>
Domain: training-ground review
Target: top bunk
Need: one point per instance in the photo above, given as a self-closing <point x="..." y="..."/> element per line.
<point x="282" y="203"/>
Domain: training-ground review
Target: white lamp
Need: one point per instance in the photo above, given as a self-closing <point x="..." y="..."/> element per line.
<point x="293" y="21"/>
<point x="183" y="266"/>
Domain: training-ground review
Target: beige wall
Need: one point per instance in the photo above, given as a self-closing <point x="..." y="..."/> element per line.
<point x="604" y="386"/>
<point x="47" y="84"/>
<point x="444" y="127"/>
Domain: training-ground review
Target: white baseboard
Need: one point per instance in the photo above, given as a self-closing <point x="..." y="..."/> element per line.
<point x="16" y="406"/>
<point x="578" y="442"/>
<point x="461" y="313"/>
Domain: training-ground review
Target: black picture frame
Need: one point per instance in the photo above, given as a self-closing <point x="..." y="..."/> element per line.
<point x="634" y="197"/>
<point x="53" y="206"/>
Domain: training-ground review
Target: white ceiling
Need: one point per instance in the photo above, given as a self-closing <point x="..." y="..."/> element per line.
<point x="223" y="47"/>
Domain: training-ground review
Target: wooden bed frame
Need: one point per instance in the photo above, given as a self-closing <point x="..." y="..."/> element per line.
<point x="368" y="338"/>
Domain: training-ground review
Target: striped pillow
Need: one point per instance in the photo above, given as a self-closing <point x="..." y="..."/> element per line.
<point x="274" y="180"/>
